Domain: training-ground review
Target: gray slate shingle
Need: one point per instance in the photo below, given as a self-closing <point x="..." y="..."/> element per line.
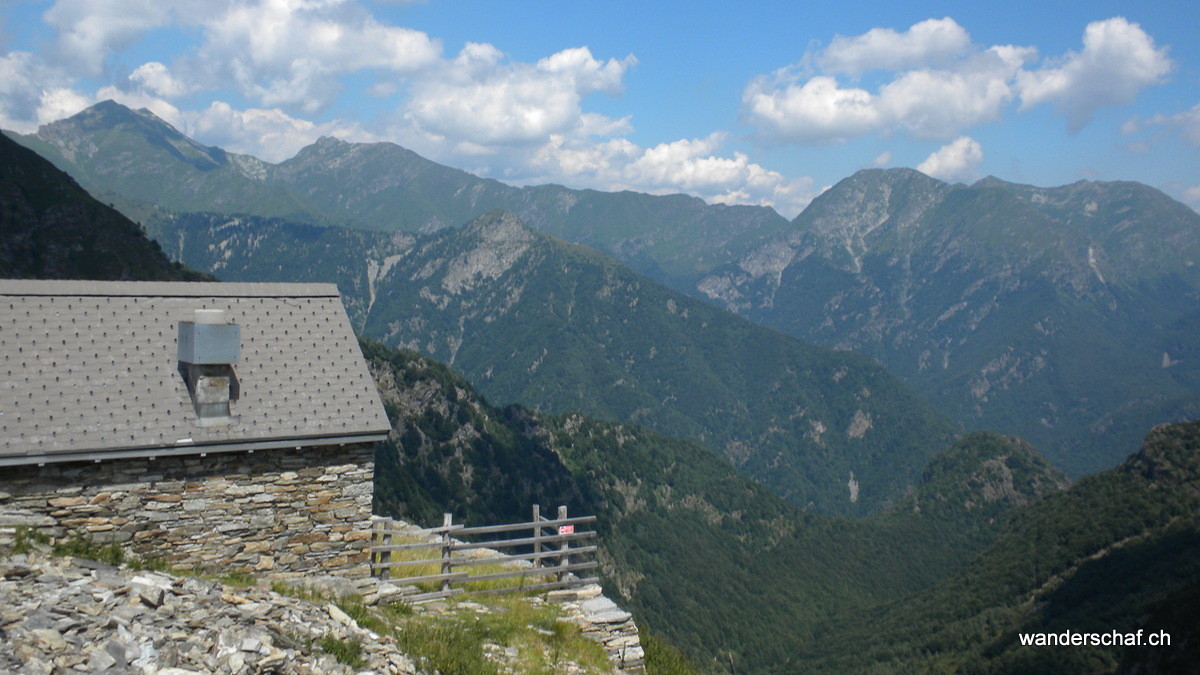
<point x="89" y="367"/>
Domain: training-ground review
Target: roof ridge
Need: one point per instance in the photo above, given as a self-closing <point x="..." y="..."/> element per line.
<point x="181" y="289"/>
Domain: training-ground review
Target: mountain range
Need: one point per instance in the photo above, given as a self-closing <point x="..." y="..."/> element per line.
<point x="991" y="542"/>
<point x="996" y="302"/>
<point x="527" y="317"/>
<point x="142" y="162"/>
<point x="1065" y="315"/>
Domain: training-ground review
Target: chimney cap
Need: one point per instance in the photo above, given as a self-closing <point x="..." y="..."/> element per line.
<point x="210" y="317"/>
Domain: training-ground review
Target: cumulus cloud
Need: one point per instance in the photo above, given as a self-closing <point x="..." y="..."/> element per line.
<point x="929" y="104"/>
<point x="291" y="52"/>
<point x="269" y="134"/>
<point x="933" y="41"/>
<point x="481" y="99"/>
<point x="941" y="84"/>
<point x="882" y="160"/>
<point x="818" y="110"/>
<point x="30" y="91"/>
<point x="940" y="103"/>
<point x="55" y="104"/>
<point x="956" y="161"/>
<point x="1118" y="60"/>
<point x="90" y="30"/>
<point x="156" y="78"/>
<point x="693" y="166"/>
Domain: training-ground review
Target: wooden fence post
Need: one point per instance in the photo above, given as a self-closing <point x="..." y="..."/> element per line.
<point x="384" y="539"/>
<point x="537" y="534"/>
<point x="563" y="556"/>
<point x="447" y="519"/>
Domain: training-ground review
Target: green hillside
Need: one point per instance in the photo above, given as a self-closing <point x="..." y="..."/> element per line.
<point x="50" y="228"/>
<point x="1118" y="551"/>
<point x="699" y="553"/>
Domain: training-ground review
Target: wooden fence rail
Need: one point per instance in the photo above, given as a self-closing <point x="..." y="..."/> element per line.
<point x="552" y="563"/>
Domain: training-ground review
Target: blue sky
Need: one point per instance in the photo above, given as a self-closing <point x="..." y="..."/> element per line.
<point x="764" y="103"/>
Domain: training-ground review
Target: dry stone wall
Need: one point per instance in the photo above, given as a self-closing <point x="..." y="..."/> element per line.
<point x="280" y="513"/>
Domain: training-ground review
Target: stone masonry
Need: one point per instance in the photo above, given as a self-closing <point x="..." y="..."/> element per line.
<point x="279" y="513"/>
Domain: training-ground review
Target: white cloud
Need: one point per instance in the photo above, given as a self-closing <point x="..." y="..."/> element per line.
<point x="90" y="30"/>
<point x="691" y="166"/>
<point x="291" y="52"/>
<point x="478" y="98"/>
<point x="267" y="134"/>
<point x="938" y="104"/>
<point x="882" y="160"/>
<point x="61" y="102"/>
<point x="29" y="91"/>
<point x="1118" y="60"/>
<point x="930" y="42"/>
<point x="156" y="78"/>
<point x="935" y="104"/>
<point x="957" y="161"/>
<point x="940" y="84"/>
<point x="817" y="111"/>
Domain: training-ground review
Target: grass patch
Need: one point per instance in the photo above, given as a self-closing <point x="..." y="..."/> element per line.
<point x="454" y="643"/>
<point x="348" y="652"/>
<point x="25" y="538"/>
<point x="421" y="569"/>
<point x="85" y="547"/>
<point x="238" y="578"/>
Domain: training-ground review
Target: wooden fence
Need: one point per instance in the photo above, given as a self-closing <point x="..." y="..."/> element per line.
<point x="551" y="561"/>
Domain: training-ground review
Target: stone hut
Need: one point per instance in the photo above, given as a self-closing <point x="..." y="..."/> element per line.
<point x="211" y="425"/>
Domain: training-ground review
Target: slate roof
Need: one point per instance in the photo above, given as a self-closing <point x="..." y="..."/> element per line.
<point x="89" y="370"/>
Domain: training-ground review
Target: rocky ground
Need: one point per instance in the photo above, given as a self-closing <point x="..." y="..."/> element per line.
<point x="72" y="615"/>
<point x="66" y="615"/>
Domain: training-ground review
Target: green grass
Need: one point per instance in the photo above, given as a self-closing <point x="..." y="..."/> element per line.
<point x="401" y="572"/>
<point x="86" y="547"/>
<point x="348" y="652"/>
<point x="454" y="643"/>
<point x="238" y="578"/>
<point x="26" y="537"/>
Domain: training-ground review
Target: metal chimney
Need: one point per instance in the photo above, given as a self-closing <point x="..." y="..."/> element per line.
<point x="208" y="347"/>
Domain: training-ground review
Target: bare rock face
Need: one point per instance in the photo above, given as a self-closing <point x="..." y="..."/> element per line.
<point x="501" y="240"/>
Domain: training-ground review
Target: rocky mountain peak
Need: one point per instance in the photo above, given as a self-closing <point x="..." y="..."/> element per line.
<point x="857" y="206"/>
<point x="500" y="227"/>
<point x="330" y="142"/>
<point x="109" y="127"/>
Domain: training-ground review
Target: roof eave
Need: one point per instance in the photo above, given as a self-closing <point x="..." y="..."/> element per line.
<point x="190" y="449"/>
